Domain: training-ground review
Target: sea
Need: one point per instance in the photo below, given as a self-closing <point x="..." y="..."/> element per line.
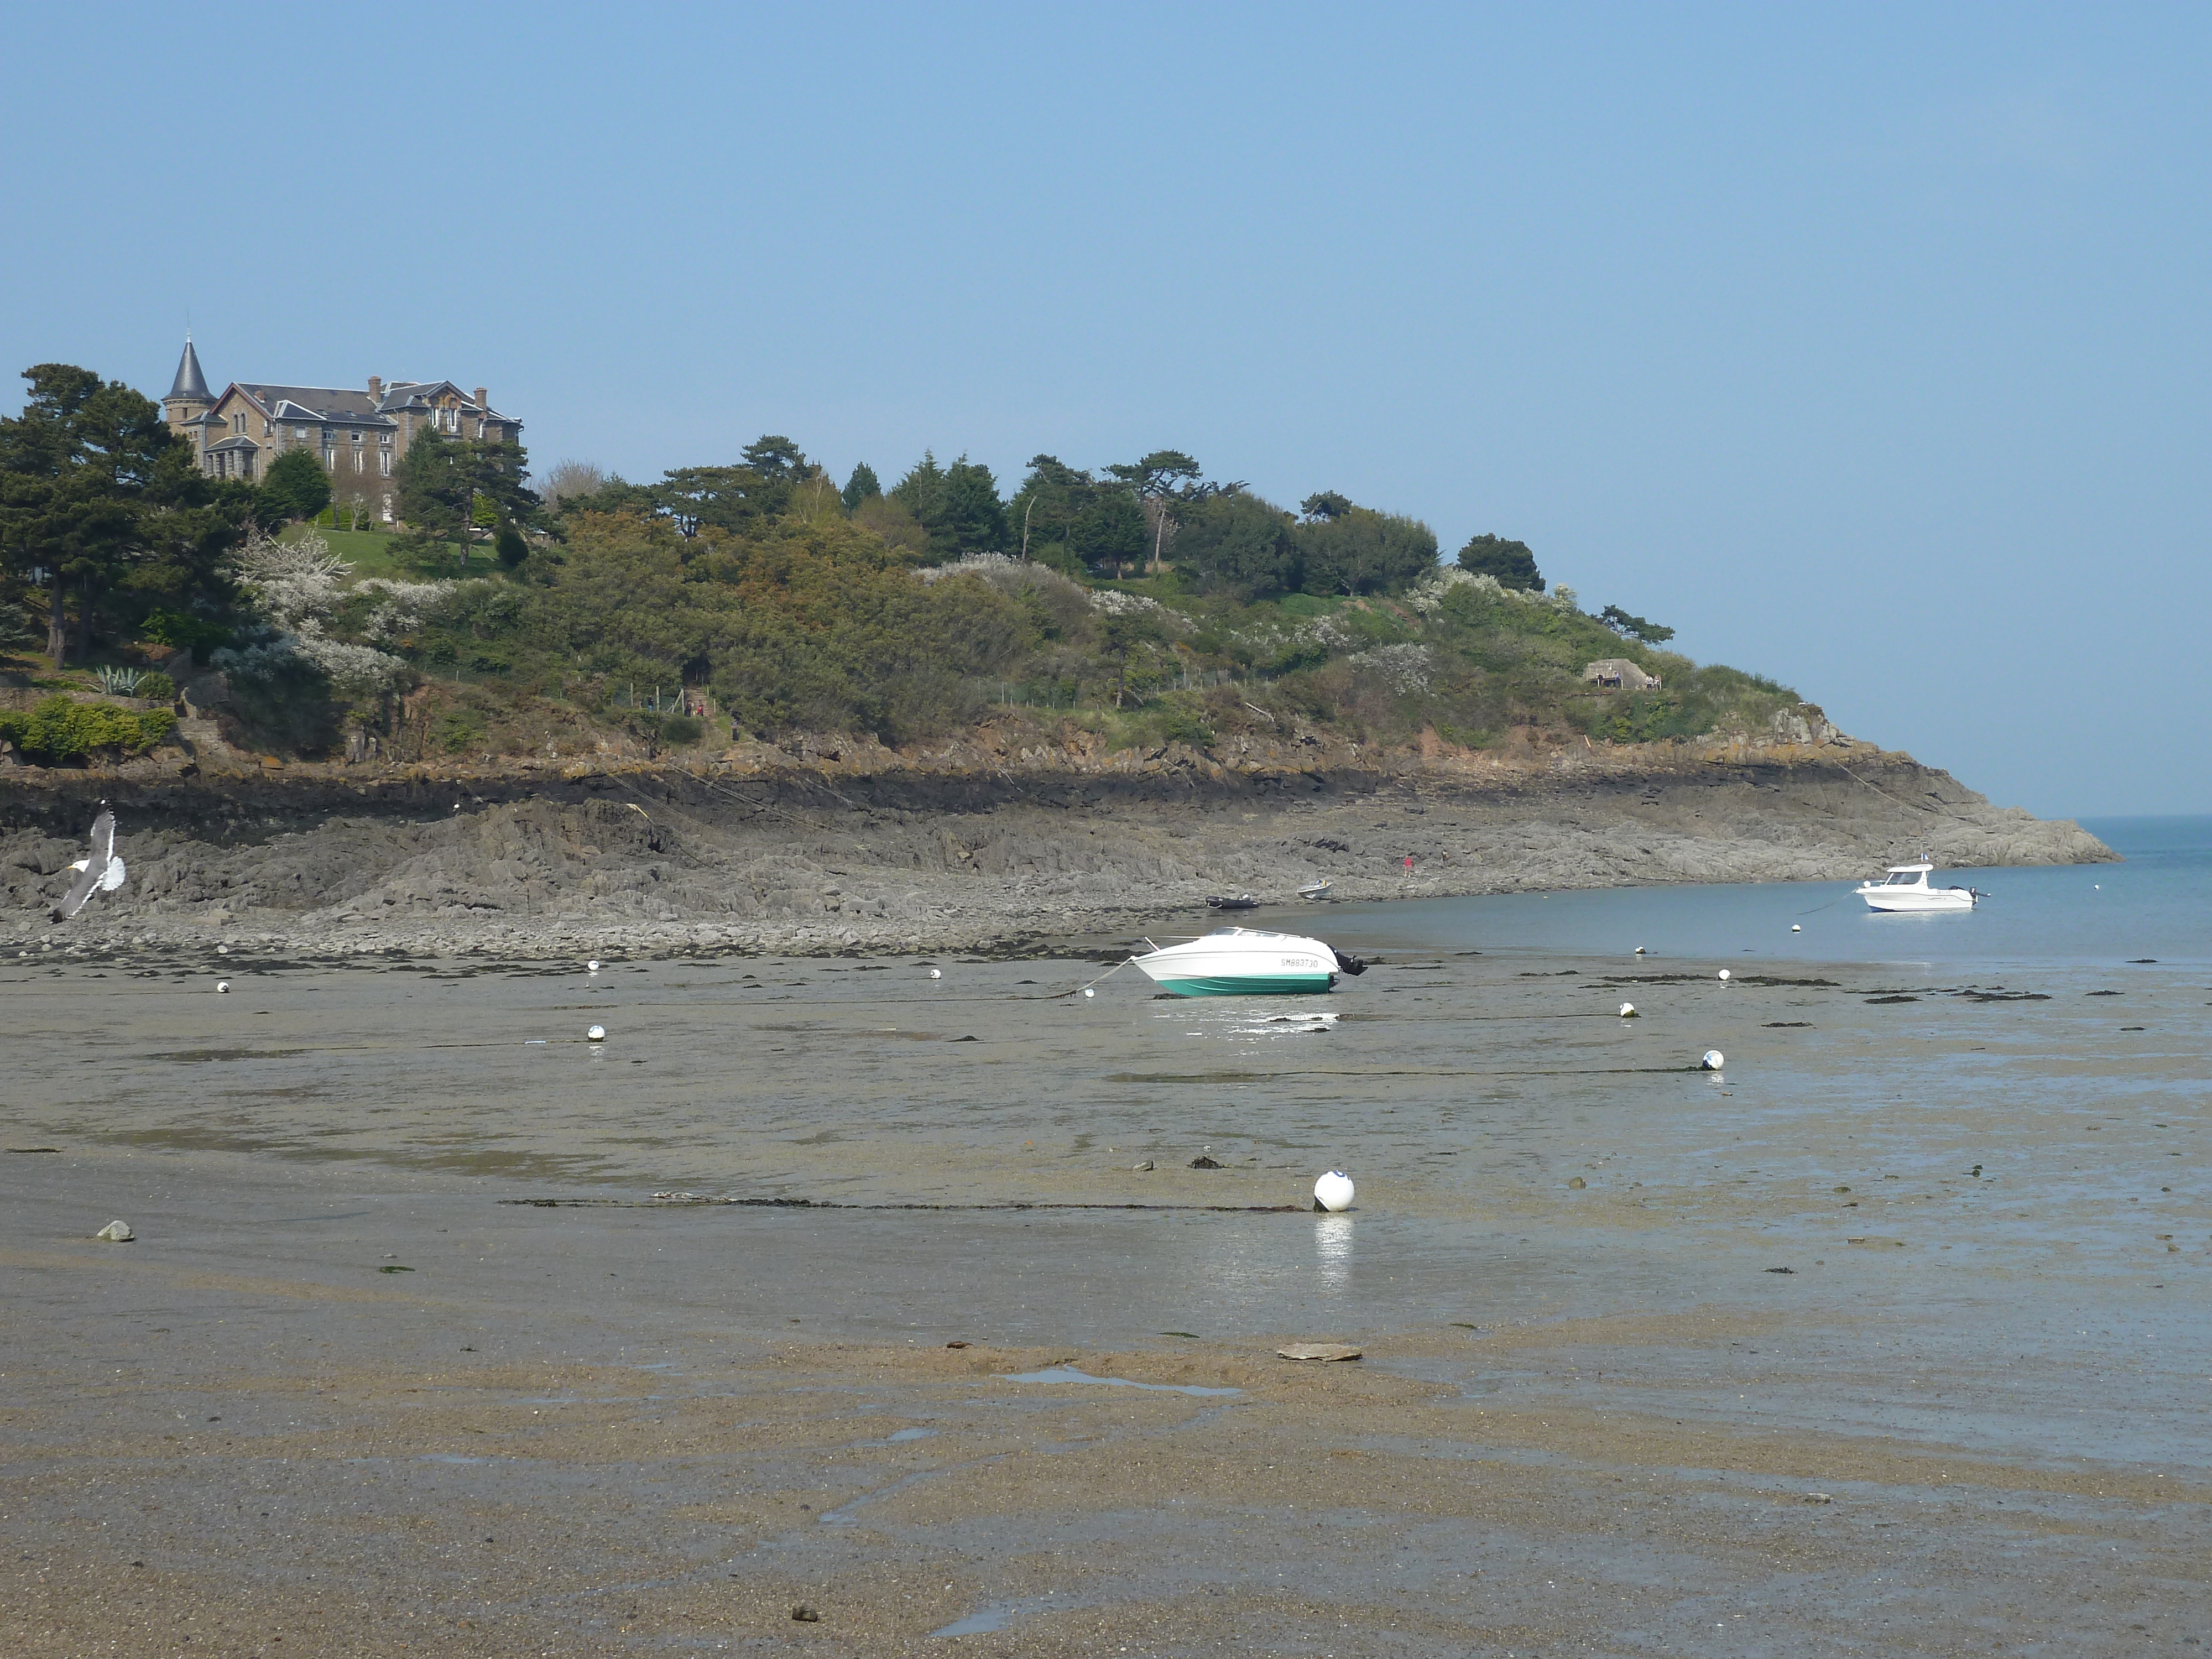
<point x="2157" y="904"/>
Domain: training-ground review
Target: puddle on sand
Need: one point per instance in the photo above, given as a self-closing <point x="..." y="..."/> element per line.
<point x="980" y="1624"/>
<point x="1069" y="1374"/>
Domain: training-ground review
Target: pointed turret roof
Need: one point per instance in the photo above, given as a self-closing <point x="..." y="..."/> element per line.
<point x="190" y="383"/>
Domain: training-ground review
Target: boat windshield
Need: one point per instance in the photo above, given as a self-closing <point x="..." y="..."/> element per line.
<point x="1904" y="878"/>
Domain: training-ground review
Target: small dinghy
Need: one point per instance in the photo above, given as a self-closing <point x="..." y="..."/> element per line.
<point x="1247" y="961"/>
<point x="1315" y="890"/>
<point x="1905" y="887"/>
<point x="1242" y="901"/>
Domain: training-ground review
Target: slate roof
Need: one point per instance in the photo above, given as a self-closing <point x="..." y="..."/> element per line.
<point x="317" y="403"/>
<point x="190" y="382"/>
<point x="410" y="394"/>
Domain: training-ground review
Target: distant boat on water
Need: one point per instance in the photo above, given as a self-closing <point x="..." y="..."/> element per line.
<point x="1240" y="902"/>
<point x="1315" y="889"/>
<point x="1904" y="888"/>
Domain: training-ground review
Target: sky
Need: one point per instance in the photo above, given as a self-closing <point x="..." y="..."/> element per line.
<point x="1866" y="346"/>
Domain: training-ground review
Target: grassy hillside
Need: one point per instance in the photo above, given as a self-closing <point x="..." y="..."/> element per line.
<point x="817" y="623"/>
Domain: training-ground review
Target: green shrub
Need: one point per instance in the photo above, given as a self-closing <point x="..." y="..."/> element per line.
<point x="1299" y="654"/>
<point x="157" y="687"/>
<point x="1179" y="723"/>
<point x="679" y="731"/>
<point x="459" y="729"/>
<point x="175" y="628"/>
<point x="59" y="730"/>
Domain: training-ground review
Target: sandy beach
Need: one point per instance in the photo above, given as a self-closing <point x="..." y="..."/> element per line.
<point x="406" y="1355"/>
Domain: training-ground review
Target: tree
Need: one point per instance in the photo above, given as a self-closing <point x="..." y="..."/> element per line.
<point x="1120" y="631"/>
<point x="735" y="498"/>
<point x="445" y="482"/>
<point x="1355" y="549"/>
<point x="1510" y="562"/>
<point x="921" y="492"/>
<point x="774" y="457"/>
<point x="1634" y="628"/>
<point x="610" y="494"/>
<point x="958" y="506"/>
<point x="1044" y="509"/>
<point x="1325" y="506"/>
<point x="1167" y="483"/>
<point x="974" y="517"/>
<point x="1109" y="531"/>
<point x="1162" y="473"/>
<point x="569" y="480"/>
<point x="860" y="487"/>
<point x="98" y="495"/>
<point x="1236" y="542"/>
<point x="295" y="487"/>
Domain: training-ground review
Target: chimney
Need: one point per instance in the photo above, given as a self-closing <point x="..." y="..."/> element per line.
<point x="484" y="398"/>
<point x="376" y="388"/>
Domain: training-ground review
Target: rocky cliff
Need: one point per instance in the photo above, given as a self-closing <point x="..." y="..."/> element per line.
<point x="1010" y="833"/>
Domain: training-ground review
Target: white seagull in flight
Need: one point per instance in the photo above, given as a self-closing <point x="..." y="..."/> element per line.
<point x="99" y="869"/>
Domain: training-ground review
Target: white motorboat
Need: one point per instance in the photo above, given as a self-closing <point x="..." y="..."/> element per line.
<point x="1315" y="890"/>
<point x="1905" y="888"/>
<point x="1247" y="961"/>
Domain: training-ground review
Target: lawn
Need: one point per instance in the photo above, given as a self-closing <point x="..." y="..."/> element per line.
<point x="370" y="552"/>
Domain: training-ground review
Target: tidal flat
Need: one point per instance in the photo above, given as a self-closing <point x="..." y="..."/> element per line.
<point x="1890" y="1337"/>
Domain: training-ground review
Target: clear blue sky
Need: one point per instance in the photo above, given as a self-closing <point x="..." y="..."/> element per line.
<point x="1865" y="345"/>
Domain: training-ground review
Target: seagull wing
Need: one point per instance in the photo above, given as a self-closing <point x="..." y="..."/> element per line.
<point x="79" y="891"/>
<point x="95" y="867"/>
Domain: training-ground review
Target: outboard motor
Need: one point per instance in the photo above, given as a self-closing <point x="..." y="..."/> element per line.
<point x="1351" y="965"/>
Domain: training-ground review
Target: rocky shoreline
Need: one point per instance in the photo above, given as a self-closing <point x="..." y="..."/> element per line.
<point x="992" y="844"/>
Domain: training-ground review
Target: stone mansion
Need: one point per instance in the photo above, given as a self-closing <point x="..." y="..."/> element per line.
<point x="359" y="436"/>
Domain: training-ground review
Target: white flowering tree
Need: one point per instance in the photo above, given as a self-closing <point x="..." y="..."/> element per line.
<point x="295" y="586"/>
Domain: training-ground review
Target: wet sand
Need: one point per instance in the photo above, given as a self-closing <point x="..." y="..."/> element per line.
<point x="1970" y="1418"/>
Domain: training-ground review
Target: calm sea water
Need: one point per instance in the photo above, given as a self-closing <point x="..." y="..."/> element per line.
<point x="2157" y="904"/>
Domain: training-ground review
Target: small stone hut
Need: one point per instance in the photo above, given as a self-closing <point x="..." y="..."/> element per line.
<point x="1619" y="674"/>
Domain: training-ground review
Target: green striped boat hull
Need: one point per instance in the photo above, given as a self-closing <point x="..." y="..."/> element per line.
<point x="1266" y="984"/>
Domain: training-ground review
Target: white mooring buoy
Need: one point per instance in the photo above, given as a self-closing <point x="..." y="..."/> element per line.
<point x="1796" y="928"/>
<point x="936" y="973"/>
<point x="1628" y="1011"/>
<point x="1724" y="973"/>
<point x="221" y="986"/>
<point x="1334" y="1191"/>
<point x="1713" y="1061"/>
<point x="592" y="967"/>
<point x="1088" y="992"/>
<point x="597" y="1033"/>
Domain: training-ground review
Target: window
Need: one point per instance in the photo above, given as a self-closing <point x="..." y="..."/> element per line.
<point x="384" y="464"/>
<point x="360" y="460"/>
<point x="329" y="459"/>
